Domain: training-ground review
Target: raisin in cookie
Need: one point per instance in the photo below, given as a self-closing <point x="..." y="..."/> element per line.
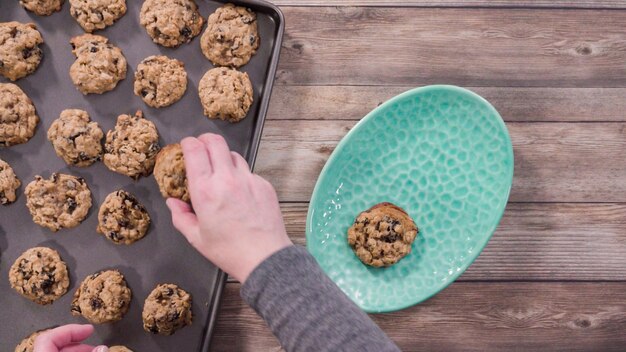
<point x="18" y="118"/>
<point x="167" y="309"/>
<point x="169" y="173"/>
<point x="119" y="349"/>
<point x="28" y="343"/>
<point x="131" y="148"/>
<point x="225" y="94"/>
<point x="20" y="54"/>
<point x="76" y="139"/>
<point x="160" y="81"/>
<point x="40" y="275"/>
<point x="62" y="201"/>
<point x="122" y="219"/>
<point x="171" y="22"/>
<point x="382" y="235"/>
<point x="231" y="36"/>
<point x="102" y="297"/>
<point x="42" y="7"/>
<point x="99" y="65"/>
<point x="9" y="183"/>
<point x="97" y="14"/>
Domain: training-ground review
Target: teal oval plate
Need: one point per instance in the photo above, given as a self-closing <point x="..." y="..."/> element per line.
<point x="443" y="154"/>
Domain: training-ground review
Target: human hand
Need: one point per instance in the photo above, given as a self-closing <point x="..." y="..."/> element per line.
<point x="237" y="222"/>
<point x="66" y="338"/>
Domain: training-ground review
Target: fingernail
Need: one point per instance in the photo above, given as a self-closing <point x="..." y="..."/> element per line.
<point x="101" y="349"/>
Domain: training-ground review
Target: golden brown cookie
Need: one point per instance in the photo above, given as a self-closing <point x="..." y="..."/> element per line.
<point x="102" y="297"/>
<point x="160" y="81"/>
<point x="42" y="7"/>
<point x="122" y="219"/>
<point x="231" y="36"/>
<point x="20" y="54"/>
<point x="119" y="349"/>
<point x="171" y="22"/>
<point x="40" y="275"/>
<point x="226" y="94"/>
<point x="167" y="309"/>
<point x="97" y="14"/>
<point x="62" y="201"/>
<point x="9" y="183"/>
<point x="131" y="148"/>
<point x="28" y="343"/>
<point x="382" y="235"/>
<point x="99" y="65"/>
<point x="169" y="172"/>
<point x="76" y="139"/>
<point x="18" y="118"/>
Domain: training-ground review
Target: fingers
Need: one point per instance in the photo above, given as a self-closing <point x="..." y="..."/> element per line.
<point x="184" y="219"/>
<point x="219" y="152"/>
<point x="56" y="339"/>
<point x="239" y="162"/>
<point x="197" y="161"/>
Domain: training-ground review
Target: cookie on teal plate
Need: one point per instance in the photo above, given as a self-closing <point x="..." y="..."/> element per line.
<point x="440" y="152"/>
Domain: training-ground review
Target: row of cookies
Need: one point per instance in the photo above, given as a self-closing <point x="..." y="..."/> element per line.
<point x="99" y="66"/>
<point x="231" y="37"/>
<point x="63" y="201"/>
<point x="40" y="275"/>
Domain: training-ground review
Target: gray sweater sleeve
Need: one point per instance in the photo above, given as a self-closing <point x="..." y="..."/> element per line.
<point x="306" y="310"/>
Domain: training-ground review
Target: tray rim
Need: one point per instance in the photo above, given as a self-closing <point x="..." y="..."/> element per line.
<point x="251" y="153"/>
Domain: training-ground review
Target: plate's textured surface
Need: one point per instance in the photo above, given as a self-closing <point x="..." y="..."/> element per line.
<point x="444" y="155"/>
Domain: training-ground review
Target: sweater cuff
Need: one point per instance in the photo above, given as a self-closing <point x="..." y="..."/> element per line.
<point x="275" y="272"/>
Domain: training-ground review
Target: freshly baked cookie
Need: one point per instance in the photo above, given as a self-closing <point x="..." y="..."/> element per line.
<point x="171" y="22"/>
<point x="231" y="36"/>
<point x="97" y="14"/>
<point x="28" y="343"/>
<point x="9" y="183"/>
<point x="225" y="94"/>
<point x="160" y="81"/>
<point x="18" y="118"/>
<point x="131" y="148"/>
<point x="99" y="65"/>
<point x="42" y="7"/>
<point x="169" y="172"/>
<point x="167" y="309"/>
<point x="122" y="219"/>
<point x="62" y="201"/>
<point x="382" y="235"/>
<point x="20" y="54"/>
<point x="76" y="139"/>
<point x="102" y="297"/>
<point x="119" y="349"/>
<point x="40" y="275"/>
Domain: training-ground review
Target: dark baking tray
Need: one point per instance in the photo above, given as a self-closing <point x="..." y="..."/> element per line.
<point x="163" y="255"/>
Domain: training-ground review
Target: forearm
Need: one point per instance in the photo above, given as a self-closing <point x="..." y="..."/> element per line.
<point x="306" y="310"/>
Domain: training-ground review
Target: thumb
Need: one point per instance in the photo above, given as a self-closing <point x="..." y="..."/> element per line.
<point x="101" y="349"/>
<point x="184" y="219"/>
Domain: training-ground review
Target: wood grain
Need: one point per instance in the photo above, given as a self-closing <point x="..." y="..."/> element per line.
<point x="597" y="4"/>
<point x="554" y="162"/>
<point x="468" y="47"/>
<point x="537" y="242"/>
<point x="523" y="316"/>
<point x="513" y="103"/>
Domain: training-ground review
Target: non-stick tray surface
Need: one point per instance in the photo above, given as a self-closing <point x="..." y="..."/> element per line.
<point x="163" y="256"/>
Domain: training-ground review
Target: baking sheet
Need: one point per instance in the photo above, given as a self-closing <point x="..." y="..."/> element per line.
<point x="163" y="255"/>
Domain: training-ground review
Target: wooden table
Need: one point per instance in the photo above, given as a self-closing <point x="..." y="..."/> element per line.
<point x="553" y="276"/>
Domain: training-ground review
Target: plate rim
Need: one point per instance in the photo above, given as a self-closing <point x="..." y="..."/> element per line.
<point x="369" y="116"/>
